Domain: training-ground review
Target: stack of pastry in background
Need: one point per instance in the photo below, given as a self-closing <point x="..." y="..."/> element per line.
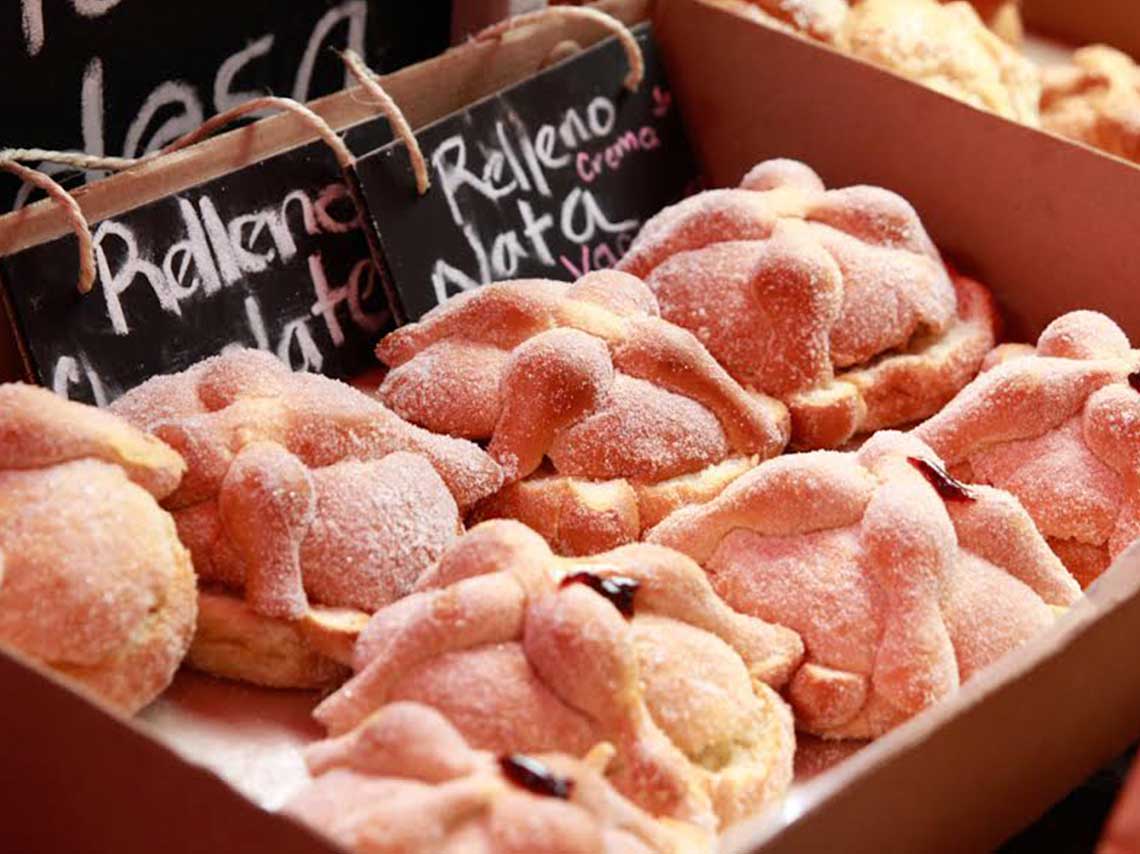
<point x="973" y="52"/>
<point x="558" y="567"/>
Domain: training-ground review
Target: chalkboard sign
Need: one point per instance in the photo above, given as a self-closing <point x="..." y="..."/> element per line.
<point x="551" y="178"/>
<point x="273" y="256"/>
<point x="124" y="77"/>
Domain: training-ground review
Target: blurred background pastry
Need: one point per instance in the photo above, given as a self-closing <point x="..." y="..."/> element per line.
<point x="1095" y="100"/>
<point x="946" y="47"/>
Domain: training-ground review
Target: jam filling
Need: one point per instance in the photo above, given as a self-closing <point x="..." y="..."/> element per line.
<point x="534" y="776"/>
<point x="1134" y="380"/>
<point x="950" y="488"/>
<point x="618" y="589"/>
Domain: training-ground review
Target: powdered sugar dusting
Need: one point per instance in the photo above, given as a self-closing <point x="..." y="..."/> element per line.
<point x="894" y="608"/>
<point x="298" y="484"/>
<point x="786" y="282"/>
<point x="517" y="661"/>
<point x="586" y="378"/>
<point x="1059" y="427"/>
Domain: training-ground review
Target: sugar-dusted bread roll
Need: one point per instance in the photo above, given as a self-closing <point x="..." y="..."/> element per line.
<point x="527" y="652"/>
<point x="406" y="782"/>
<point x="823" y="19"/>
<point x="306" y="506"/>
<point x="603" y="416"/>
<point x="902" y="581"/>
<point x="1059" y="427"/>
<point x="820" y="19"/>
<point x="948" y="48"/>
<point x="834" y="301"/>
<point x="93" y="580"/>
<point x="1095" y="100"/>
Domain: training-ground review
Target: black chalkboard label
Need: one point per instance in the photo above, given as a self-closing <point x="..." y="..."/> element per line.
<point x="550" y="178"/>
<point x="272" y="256"/>
<point x="124" y="77"/>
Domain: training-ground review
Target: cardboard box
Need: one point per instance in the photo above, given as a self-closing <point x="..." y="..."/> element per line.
<point x="1114" y="22"/>
<point x="1050" y="227"/>
<point x="1047" y="224"/>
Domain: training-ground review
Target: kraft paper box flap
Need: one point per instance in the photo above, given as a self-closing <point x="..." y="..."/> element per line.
<point x="1047" y="224"/>
<point x="1113" y="22"/>
<point x="80" y="778"/>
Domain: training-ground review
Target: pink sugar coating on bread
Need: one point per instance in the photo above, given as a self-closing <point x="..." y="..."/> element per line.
<point x="302" y="494"/>
<point x="408" y="777"/>
<point x="696" y="222"/>
<point x="560" y="372"/>
<point x="661" y="435"/>
<point x="96" y="584"/>
<point x="503" y="317"/>
<point x="529" y="717"/>
<point x="319" y="420"/>
<point x="516" y="658"/>
<point x="888" y="296"/>
<point x="40" y="429"/>
<point x="452" y="388"/>
<point x="789" y="284"/>
<point x="81" y="576"/>
<point x="1058" y="426"/>
<point x="582" y="382"/>
<point x="756" y="327"/>
<point x="368" y="529"/>
<point x="898" y="593"/>
<point x="1066" y="488"/>
<point x="377" y="524"/>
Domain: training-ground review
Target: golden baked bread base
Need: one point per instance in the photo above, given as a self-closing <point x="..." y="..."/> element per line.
<point x="582" y="517"/>
<point x="899" y="388"/>
<point x="234" y="642"/>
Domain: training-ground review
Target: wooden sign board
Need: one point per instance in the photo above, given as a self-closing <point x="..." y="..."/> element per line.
<point x="272" y="256"/>
<point x="124" y="77"/>
<point x="550" y="178"/>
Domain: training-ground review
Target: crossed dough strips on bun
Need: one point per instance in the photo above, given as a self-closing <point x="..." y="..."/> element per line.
<point x="527" y="652"/>
<point x="823" y="19"/>
<point x="306" y="506"/>
<point x="834" y="301"/>
<point x="406" y="782"/>
<point x="93" y="580"/>
<point x="1059" y="427"/>
<point x="603" y="416"/>
<point x="902" y="582"/>
<point x="1095" y="100"/>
